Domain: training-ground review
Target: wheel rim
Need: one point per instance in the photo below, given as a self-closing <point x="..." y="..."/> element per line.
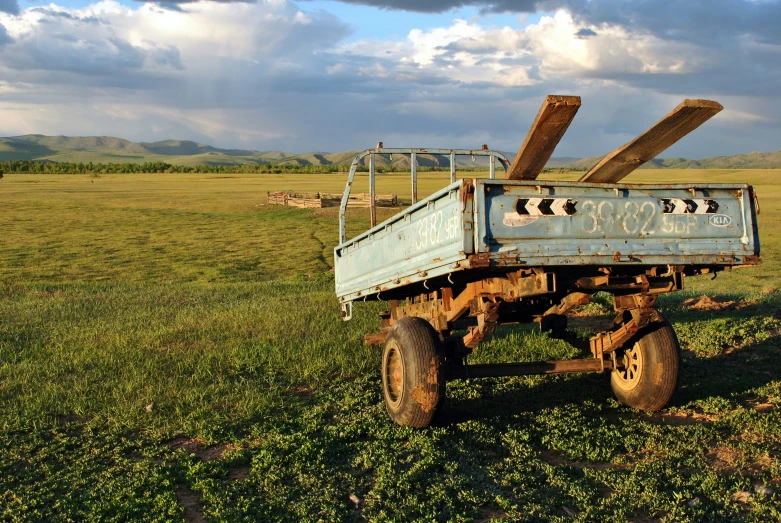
<point x="628" y="374"/>
<point x="394" y="375"/>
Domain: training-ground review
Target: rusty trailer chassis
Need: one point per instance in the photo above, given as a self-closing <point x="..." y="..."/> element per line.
<point x="464" y="315"/>
<point x="485" y="252"/>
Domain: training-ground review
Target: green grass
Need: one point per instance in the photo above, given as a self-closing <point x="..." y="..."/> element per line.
<point x="171" y="349"/>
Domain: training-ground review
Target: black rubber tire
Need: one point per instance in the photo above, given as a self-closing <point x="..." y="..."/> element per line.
<point x="656" y="369"/>
<point x="413" y="382"/>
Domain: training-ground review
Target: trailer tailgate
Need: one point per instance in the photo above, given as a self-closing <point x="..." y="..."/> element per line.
<point x="562" y="223"/>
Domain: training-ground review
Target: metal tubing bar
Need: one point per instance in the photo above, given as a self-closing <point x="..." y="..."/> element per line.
<point x="492" y="168"/>
<point x="395" y="150"/>
<point x="492" y="370"/>
<point x="346" y="198"/>
<point x="414" y="166"/>
<point x="372" y="192"/>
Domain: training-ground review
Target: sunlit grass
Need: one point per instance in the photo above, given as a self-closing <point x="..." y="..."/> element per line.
<point x="140" y="311"/>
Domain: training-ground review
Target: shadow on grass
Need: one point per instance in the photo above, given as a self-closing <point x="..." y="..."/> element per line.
<point x="732" y="377"/>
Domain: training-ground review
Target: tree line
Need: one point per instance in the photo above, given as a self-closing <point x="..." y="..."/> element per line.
<point x="48" y="167"/>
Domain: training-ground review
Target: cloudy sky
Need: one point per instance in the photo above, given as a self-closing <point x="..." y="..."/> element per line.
<point x="335" y="75"/>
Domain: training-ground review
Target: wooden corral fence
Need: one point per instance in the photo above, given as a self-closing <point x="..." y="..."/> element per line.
<point x="319" y="200"/>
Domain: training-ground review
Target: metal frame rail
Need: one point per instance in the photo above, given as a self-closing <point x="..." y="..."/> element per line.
<point x="413" y="152"/>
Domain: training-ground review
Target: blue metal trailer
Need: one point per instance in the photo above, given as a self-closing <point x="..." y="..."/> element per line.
<point x="482" y="252"/>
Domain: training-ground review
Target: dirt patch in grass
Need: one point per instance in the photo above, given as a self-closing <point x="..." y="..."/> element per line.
<point x="196" y="446"/>
<point x="724" y="458"/>
<point x="238" y="473"/>
<point x="678" y="418"/>
<point x="551" y="457"/>
<point x="489" y="513"/>
<point x="191" y="501"/>
<point x="715" y="303"/>
<point x="303" y="391"/>
<point x="761" y="405"/>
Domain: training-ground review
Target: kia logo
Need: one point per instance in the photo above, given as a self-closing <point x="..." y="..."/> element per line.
<point x="721" y="220"/>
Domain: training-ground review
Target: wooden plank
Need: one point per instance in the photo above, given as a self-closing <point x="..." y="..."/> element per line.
<point x="681" y="121"/>
<point x="549" y="126"/>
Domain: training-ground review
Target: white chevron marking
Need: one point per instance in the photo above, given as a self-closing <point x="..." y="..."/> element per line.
<point x="702" y="206"/>
<point x="679" y="206"/>
<point x="558" y="206"/>
<point x="532" y="206"/>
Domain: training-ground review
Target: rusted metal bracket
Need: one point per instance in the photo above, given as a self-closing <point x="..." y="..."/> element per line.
<point x="610" y="341"/>
<point x="649" y="283"/>
<point x="440" y="308"/>
<point x="569" y="301"/>
<point x="486" y="323"/>
<point x="634" y="301"/>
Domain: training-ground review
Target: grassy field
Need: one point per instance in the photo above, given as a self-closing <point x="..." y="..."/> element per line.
<point x="171" y="350"/>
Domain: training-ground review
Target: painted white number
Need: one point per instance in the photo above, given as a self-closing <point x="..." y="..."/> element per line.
<point x="679" y="223"/>
<point x="430" y="230"/>
<point x="605" y="216"/>
<point x="643" y="229"/>
<point x="590" y="210"/>
<point x="631" y="222"/>
<point x="451" y="229"/>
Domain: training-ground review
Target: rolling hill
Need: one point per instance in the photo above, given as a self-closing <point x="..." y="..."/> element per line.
<point x="109" y="149"/>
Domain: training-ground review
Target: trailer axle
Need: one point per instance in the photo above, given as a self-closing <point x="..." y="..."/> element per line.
<point x="493" y="370"/>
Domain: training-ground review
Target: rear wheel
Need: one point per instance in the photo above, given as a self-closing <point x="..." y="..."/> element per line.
<point x="647" y="373"/>
<point x="413" y="383"/>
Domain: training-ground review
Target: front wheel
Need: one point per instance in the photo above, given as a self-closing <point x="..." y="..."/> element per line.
<point x="647" y="373"/>
<point x="413" y="383"/>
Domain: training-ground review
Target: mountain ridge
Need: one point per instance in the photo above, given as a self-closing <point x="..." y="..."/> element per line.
<point x="110" y="149"/>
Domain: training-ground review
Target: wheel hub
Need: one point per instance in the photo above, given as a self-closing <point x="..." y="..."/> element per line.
<point x="631" y="368"/>
<point x="394" y="372"/>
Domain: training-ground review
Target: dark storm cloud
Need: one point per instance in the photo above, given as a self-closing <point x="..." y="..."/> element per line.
<point x="5" y="38"/>
<point x="53" y="14"/>
<point x="300" y="90"/>
<point x="698" y="21"/>
<point x="441" y="6"/>
<point x="174" y="4"/>
<point x="9" y="6"/>
<point x="87" y="57"/>
<point x="585" y="33"/>
<point x="690" y="20"/>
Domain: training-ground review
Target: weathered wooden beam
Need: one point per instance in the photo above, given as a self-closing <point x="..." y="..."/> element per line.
<point x="681" y="121"/>
<point x="551" y="123"/>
